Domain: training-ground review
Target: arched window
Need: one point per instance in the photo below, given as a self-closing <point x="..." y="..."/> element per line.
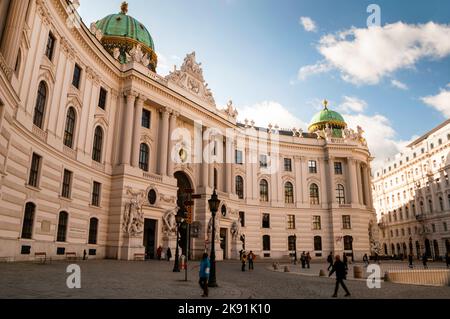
<point x="93" y="230"/>
<point x="39" y="107"/>
<point x="317" y="243"/>
<point x="288" y="193"/>
<point x="314" y="194"/>
<point x="239" y="187"/>
<point x="98" y="144"/>
<point x="264" y="190"/>
<point x="62" y="227"/>
<point x="266" y="242"/>
<point x="144" y="154"/>
<point x="70" y="127"/>
<point x="340" y="194"/>
<point x="28" y="221"/>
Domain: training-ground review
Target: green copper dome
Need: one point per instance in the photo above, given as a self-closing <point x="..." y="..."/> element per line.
<point x="327" y="117"/>
<point x="125" y="32"/>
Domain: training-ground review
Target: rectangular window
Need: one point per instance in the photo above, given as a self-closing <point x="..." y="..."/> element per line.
<point x="96" y="188"/>
<point x="445" y="226"/>
<point x="263" y="161"/>
<point x="34" y="170"/>
<point x="287" y="165"/>
<point x="76" y="76"/>
<point x="67" y="182"/>
<point x="338" y="168"/>
<point x="102" y="98"/>
<point x="242" y="218"/>
<point x="291" y="221"/>
<point x="265" y="221"/>
<point x="433" y="226"/>
<point x="316" y="223"/>
<point x="50" y="46"/>
<point x="312" y="165"/>
<point x="146" y="118"/>
<point x="238" y="157"/>
<point x="346" y="222"/>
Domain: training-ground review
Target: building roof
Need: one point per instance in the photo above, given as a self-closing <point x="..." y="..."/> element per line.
<point x="426" y="135"/>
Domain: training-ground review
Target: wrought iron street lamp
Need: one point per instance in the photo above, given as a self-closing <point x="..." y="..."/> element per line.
<point x="176" y="266"/>
<point x="214" y="207"/>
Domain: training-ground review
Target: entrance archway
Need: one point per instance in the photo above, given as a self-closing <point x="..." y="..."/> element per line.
<point x="427" y="248"/>
<point x="183" y="184"/>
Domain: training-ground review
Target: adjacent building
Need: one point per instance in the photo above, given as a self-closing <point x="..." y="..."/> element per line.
<point x="100" y="154"/>
<point x="412" y="197"/>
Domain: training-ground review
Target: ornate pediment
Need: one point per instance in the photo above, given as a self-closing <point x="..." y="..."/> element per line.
<point x="190" y="78"/>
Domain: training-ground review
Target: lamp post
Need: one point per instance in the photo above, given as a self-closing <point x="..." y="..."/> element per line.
<point x="213" y="206"/>
<point x="176" y="266"/>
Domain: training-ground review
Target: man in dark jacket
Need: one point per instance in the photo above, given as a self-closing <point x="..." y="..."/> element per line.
<point x="341" y="274"/>
<point x="330" y="261"/>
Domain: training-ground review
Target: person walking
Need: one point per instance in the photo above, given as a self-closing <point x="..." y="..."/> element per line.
<point x="410" y="260"/>
<point x="341" y="275"/>
<point x="251" y="257"/>
<point x="330" y="261"/>
<point x="308" y="260"/>
<point x="366" y="260"/>
<point x="168" y="254"/>
<point x="244" y="260"/>
<point x="204" y="274"/>
<point x="303" y="259"/>
<point x="425" y="261"/>
<point x="345" y="260"/>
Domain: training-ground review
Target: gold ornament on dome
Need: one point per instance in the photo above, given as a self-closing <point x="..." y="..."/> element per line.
<point x="124" y="7"/>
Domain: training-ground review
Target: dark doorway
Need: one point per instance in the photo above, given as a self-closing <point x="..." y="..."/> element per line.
<point x="223" y="242"/>
<point x="183" y="183"/>
<point x="149" y="238"/>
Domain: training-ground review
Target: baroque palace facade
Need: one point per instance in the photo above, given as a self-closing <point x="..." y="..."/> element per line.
<point x="412" y="195"/>
<point x="98" y="153"/>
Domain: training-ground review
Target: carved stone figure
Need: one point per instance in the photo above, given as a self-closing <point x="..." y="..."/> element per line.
<point x="116" y="53"/>
<point x="170" y="223"/>
<point x="133" y="218"/>
<point x="375" y="245"/>
<point x="328" y="132"/>
<point x="230" y="110"/>
<point x="236" y="229"/>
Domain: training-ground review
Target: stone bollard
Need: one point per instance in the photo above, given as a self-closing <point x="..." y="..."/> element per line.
<point x="286" y="269"/>
<point x="357" y="272"/>
<point x="386" y="277"/>
<point x="322" y="273"/>
<point x="275" y="266"/>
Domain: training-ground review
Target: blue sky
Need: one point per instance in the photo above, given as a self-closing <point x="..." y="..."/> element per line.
<point x="393" y="81"/>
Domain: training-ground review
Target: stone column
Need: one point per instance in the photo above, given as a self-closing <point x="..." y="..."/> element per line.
<point x="353" y="180"/>
<point x="323" y="196"/>
<point x="136" y="145"/>
<point x="228" y="165"/>
<point x="304" y="168"/>
<point x="172" y="127"/>
<point x="205" y="159"/>
<point x="365" y="185"/>
<point x="369" y="190"/>
<point x="359" y="182"/>
<point x="298" y="180"/>
<point x="330" y="181"/>
<point x="164" y="140"/>
<point x="248" y="174"/>
<point x="13" y="31"/>
<point x="127" y="128"/>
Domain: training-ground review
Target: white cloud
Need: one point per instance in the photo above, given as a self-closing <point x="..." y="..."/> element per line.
<point x="399" y="85"/>
<point x="367" y="55"/>
<point x="165" y="63"/>
<point x="308" y="70"/>
<point x="308" y="24"/>
<point x="380" y="136"/>
<point x="270" y="112"/>
<point x="440" y="102"/>
<point x="352" y="104"/>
